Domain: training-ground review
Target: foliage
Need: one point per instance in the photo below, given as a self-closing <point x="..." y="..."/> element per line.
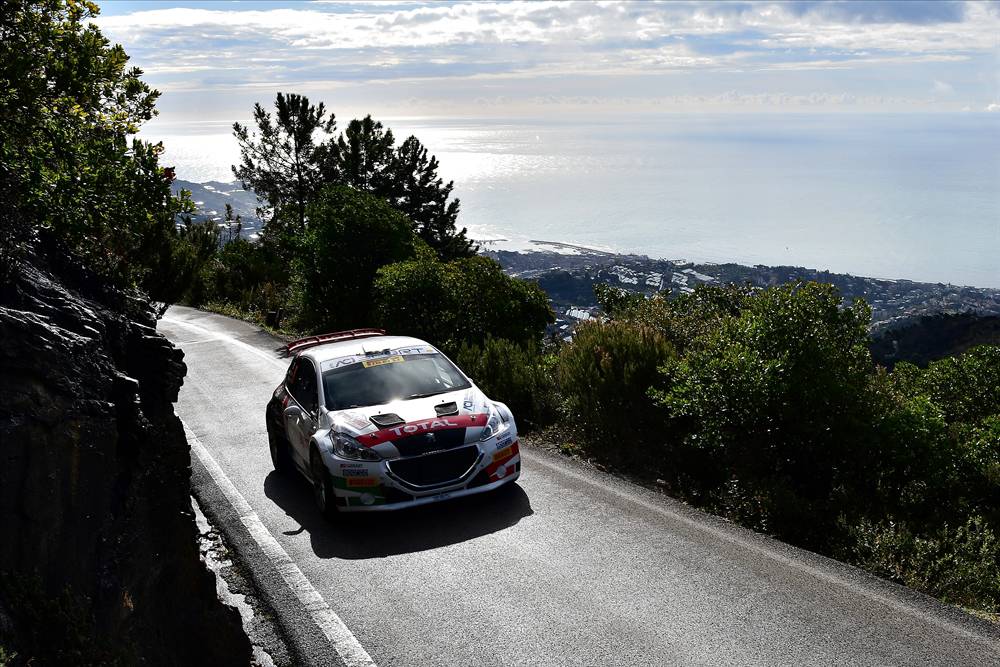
<point x="517" y="374"/>
<point x="418" y="191"/>
<point x="960" y="564"/>
<point x="604" y="376"/>
<point x="936" y="336"/>
<point x="350" y="236"/>
<point x="617" y="301"/>
<point x="777" y="396"/>
<point x="406" y="177"/>
<point x="772" y="413"/>
<point x="462" y="301"/>
<point x="966" y="387"/>
<point x="292" y="156"/>
<point x="250" y="277"/>
<point x="364" y="156"/>
<point x="282" y="161"/>
<point x="68" y="103"/>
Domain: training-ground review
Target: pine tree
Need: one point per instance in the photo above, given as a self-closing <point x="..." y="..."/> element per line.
<point x="282" y="161"/>
<point x="418" y="191"/>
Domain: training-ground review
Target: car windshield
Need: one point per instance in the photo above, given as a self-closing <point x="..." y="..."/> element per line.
<point x="386" y="379"/>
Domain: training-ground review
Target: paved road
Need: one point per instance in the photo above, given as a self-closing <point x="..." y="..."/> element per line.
<point x="569" y="567"/>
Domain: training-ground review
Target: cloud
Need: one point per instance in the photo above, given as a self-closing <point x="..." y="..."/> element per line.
<point x="183" y="48"/>
<point x="917" y="12"/>
<point x="993" y="107"/>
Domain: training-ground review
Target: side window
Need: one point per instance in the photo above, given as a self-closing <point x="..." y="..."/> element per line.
<point x="303" y="386"/>
<point x="290" y="375"/>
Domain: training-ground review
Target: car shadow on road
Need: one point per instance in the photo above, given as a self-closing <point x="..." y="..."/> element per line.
<point x="377" y="534"/>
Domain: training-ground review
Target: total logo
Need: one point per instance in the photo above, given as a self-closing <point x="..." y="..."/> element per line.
<point x="420" y="427"/>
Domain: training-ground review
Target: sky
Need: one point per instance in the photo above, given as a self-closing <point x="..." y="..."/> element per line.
<point x="213" y="60"/>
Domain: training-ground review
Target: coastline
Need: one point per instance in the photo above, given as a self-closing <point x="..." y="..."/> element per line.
<point x="569" y="277"/>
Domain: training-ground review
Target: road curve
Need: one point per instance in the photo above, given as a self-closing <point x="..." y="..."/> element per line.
<point x="567" y="567"/>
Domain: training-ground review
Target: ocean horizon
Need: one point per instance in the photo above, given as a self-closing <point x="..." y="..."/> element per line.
<point x="897" y="196"/>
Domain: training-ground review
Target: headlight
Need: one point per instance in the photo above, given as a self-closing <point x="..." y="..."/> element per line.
<point x="347" y="447"/>
<point x="495" y="425"/>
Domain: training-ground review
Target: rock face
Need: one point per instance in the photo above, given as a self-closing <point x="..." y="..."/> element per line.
<point x="98" y="555"/>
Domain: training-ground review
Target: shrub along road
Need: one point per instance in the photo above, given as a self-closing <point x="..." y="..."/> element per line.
<point x="569" y="566"/>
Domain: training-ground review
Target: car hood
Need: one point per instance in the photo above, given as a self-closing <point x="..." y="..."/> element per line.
<point x="442" y="421"/>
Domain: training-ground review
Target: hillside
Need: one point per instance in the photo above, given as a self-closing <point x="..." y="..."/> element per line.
<point x="211" y="199"/>
<point x="932" y="337"/>
<point x="569" y="280"/>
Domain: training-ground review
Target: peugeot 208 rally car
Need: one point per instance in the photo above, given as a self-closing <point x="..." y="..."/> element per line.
<point x="380" y="422"/>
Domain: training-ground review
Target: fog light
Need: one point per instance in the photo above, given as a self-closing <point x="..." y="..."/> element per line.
<point x="501" y="472"/>
<point x="367" y="499"/>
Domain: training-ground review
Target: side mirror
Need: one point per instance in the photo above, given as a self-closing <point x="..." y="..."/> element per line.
<point x="292" y="412"/>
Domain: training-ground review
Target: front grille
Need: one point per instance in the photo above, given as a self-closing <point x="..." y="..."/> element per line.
<point x="413" y="445"/>
<point x="435" y="469"/>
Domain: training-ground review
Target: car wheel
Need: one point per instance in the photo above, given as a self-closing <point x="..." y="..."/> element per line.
<point x="326" y="500"/>
<point x="281" y="456"/>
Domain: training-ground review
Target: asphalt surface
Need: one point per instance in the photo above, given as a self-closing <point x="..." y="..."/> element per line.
<point x="566" y="567"/>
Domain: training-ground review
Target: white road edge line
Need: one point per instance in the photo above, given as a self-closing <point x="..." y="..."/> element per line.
<point x="343" y="640"/>
<point x="745" y="543"/>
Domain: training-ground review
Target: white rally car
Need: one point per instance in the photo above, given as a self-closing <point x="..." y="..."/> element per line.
<point x="380" y="422"/>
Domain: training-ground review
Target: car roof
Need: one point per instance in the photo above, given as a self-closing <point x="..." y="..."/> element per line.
<point x="349" y="348"/>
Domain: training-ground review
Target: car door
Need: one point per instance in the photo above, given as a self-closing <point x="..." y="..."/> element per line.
<point x="302" y="411"/>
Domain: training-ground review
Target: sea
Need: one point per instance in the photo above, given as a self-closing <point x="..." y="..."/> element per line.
<point x="913" y="196"/>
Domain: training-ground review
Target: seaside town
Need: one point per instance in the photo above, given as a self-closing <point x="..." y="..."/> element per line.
<point x="568" y="273"/>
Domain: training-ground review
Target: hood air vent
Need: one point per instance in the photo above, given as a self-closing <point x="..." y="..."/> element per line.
<point x="386" y="420"/>
<point x="446" y="409"/>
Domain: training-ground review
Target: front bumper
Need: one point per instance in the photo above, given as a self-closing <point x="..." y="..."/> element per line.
<point x="371" y="487"/>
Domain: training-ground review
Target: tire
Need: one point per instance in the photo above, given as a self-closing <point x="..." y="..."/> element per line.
<point x="281" y="456"/>
<point x="323" y="494"/>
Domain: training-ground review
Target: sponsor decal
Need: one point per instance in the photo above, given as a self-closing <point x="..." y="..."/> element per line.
<point x="468" y="405"/>
<point x="361" y="482"/>
<point x="504" y="441"/>
<point x="422" y="426"/>
<point x="420" y="349"/>
<point x="502" y="461"/>
<point x="355" y="420"/>
<point x="360" y="466"/>
<point x="353" y="472"/>
<point x="418" y="427"/>
<point x="381" y="362"/>
<point x="503" y="454"/>
<point x="340" y="362"/>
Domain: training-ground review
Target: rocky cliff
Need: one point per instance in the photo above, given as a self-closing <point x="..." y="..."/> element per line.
<point x="98" y="554"/>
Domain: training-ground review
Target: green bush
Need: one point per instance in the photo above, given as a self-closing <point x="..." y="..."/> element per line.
<point x="604" y="377"/>
<point x="966" y="387"/>
<point x="960" y="565"/>
<point x="516" y="374"/>
<point x="69" y="167"/>
<point x="460" y="302"/>
<point x="349" y="236"/>
<point x="778" y="396"/>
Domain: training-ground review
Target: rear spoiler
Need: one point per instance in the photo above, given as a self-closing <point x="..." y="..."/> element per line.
<point x="297" y="346"/>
